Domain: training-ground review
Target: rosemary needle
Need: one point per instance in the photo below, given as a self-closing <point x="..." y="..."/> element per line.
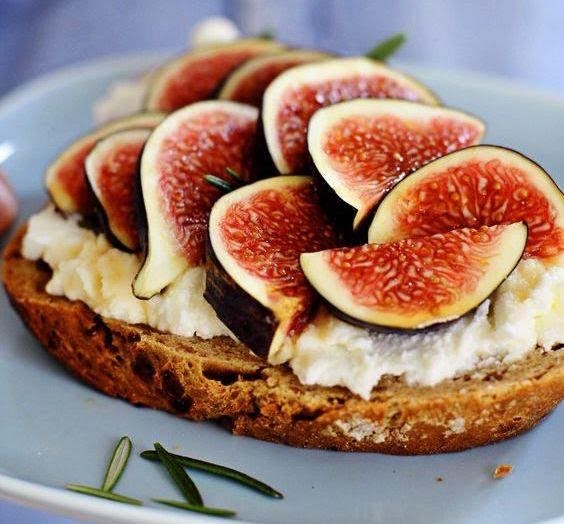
<point x="222" y="471"/>
<point x="96" y="492"/>
<point x="387" y="48"/>
<point x="179" y="475"/>
<point x="218" y="182"/>
<point x="117" y="463"/>
<point x="200" y="509"/>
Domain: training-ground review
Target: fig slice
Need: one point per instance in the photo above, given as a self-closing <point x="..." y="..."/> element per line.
<point x="66" y="179"/>
<point x="249" y="81"/>
<point x="416" y="283"/>
<point x="197" y="75"/>
<point x="253" y="276"/>
<point x="196" y="141"/>
<point x="112" y="169"/>
<point x="479" y="185"/>
<point x="294" y="96"/>
<point x="363" y="147"/>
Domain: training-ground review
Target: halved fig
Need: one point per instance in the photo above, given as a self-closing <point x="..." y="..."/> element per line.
<point x="248" y="82"/>
<point x="292" y="98"/>
<point x="479" y="185"/>
<point x="201" y="139"/>
<point x="66" y="179"/>
<point x="253" y="276"/>
<point x="362" y="148"/>
<point x="416" y="283"/>
<point x="112" y="169"/>
<point x="197" y="75"/>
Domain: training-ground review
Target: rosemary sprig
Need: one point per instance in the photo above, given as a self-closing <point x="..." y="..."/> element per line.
<point x="179" y="475"/>
<point x="200" y="509"/>
<point x="222" y="471"/>
<point x="267" y="34"/>
<point x="117" y="463"/>
<point x="96" y="492"/>
<point x="387" y="48"/>
<point x="233" y="174"/>
<point x="219" y="183"/>
<point x="224" y="185"/>
<point x="114" y="470"/>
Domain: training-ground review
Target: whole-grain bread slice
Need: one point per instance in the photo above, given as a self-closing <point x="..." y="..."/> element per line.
<point x="220" y="379"/>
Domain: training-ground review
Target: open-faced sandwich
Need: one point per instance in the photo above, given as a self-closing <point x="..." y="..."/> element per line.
<point x="310" y="249"/>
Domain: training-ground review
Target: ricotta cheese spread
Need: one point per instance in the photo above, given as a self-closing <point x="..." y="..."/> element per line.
<point x="525" y="312"/>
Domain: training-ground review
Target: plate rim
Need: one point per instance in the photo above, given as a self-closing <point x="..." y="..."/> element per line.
<point x="42" y="497"/>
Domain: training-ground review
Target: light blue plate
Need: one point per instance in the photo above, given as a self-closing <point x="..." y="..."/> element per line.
<point x="55" y="430"/>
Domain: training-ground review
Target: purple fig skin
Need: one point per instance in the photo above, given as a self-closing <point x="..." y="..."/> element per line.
<point x="406" y="331"/>
<point x="254" y="324"/>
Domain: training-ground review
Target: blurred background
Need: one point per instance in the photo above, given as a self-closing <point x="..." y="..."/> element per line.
<point x="518" y="38"/>
<point x="522" y="39"/>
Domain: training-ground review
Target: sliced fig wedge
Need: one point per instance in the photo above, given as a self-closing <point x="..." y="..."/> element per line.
<point x="204" y="138"/>
<point x="197" y="75"/>
<point x="292" y="98"/>
<point x="66" y="179"/>
<point x="362" y="148"/>
<point x="416" y="283"/>
<point x="249" y="81"/>
<point x="253" y="276"/>
<point x="479" y="185"/>
<point x="112" y="169"/>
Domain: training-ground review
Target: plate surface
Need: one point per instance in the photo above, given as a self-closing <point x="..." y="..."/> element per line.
<point x="55" y="430"/>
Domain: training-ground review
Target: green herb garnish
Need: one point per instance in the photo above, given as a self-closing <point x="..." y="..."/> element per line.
<point x="387" y="48"/>
<point x="222" y="471"/>
<point x="224" y="185"/>
<point x="200" y="509"/>
<point x="96" y="492"/>
<point x="218" y="182"/>
<point x="179" y="475"/>
<point x="267" y="34"/>
<point x="114" y="470"/>
<point x="117" y="463"/>
<point x="233" y="174"/>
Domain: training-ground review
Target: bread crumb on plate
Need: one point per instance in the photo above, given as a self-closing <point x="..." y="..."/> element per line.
<point x="501" y="471"/>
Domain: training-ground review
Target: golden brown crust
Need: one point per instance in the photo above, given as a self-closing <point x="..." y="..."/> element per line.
<point x="220" y="379"/>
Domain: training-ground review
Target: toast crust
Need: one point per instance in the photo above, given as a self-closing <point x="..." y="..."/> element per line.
<point x="222" y="380"/>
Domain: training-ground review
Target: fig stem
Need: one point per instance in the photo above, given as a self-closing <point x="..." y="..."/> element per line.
<point x="386" y="48"/>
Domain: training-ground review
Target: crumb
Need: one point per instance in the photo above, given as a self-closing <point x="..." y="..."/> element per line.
<point x="439" y="479"/>
<point x="501" y="471"/>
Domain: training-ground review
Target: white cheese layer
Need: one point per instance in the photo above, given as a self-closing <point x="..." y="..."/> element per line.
<point x="526" y="311"/>
<point x="86" y="267"/>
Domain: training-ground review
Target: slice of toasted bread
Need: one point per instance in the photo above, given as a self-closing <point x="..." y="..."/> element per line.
<point x="220" y="379"/>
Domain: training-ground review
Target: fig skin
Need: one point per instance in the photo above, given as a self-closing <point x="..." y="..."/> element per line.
<point x="377" y="327"/>
<point x="101" y="214"/>
<point x="377" y="233"/>
<point x="8" y="204"/>
<point x="236" y="308"/>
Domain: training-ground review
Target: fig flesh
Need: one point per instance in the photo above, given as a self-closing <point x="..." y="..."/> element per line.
<point x="197" y="75"/>
<point x="479" y="185"/>
<point x="253" y="276"/>
<point x="249" y="81"/>
<point x="198" y="140"/>
<point x="416" y="283"/>
<point x="294" y="96"/>
<point x="112" y="169"/>
<point x="66" y="178"/>
<point x="362" y="148"/>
